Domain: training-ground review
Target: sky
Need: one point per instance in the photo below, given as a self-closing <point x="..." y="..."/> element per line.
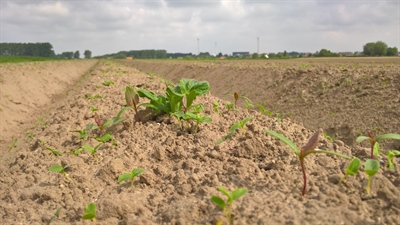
<point x="213" y="26"/>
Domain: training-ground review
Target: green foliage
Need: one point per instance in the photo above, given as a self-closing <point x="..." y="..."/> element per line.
<point x="264" y="111"/>
<point x="309" y="148"/>
<point x="76" y="152"/>
<point x="226" y="206"/>
<point x="233" y="128"/>
<point x="391" y="156"/>
<point x="375" y="141"/>
<point x="88" y="96"/>
<point x="60" y="169"/>
<point x="352" y="169"/>
<point x="216" y="107"/>
<point x="378" y="48"/>
<point x="54" y="151"/>
<point x="196" y="117"/>
<point x="103" y="125"/>
<point x="93" y="109"/>
<point x="105" y="138"/>
<point x="108" y="83"/>
<point x="83" y="133"/>
<point x="92" y="150"/>
<point x="371" y="168"/>
<point x="131" y="175"/>
<point x="90" y="212"/>
<point x="132" y="99"/>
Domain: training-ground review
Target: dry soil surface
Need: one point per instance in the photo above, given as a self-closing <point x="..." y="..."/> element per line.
<point x="183" y="169"/>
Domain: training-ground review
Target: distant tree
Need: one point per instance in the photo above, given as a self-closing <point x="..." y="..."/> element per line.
<point x="120" y="55"/>
<point x="378" y="48"/>
<point x="219" y="55"/>
<point x="392" y="51"/>
<point x="88" y="54"/>
<point x="68" y="55"/>
<point x="326" y="53"/>
<point x="284" y="53"/>
<point x="255" y="56"/>
<point x="76" y="55"/>
<point x="204" y="55"/>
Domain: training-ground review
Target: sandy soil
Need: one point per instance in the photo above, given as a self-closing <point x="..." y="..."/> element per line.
<point x="184" y="169"/>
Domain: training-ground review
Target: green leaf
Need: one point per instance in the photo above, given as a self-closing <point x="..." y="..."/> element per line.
<point x="90" y="211"/>
<point x="362" y="138"/>
<point x="354" y="166"/>
<point x="285" y="140"/>
<point x="89" y="148"/>
<point x="371" y="167"/>
<point x="175" y="98"/>
<point x="124" y="176"/>
<point x="108" y="123"/>
<point x="56" y="168"/>
<point x="218" y="201"/>
<point x="376" y="149"/>
<point x="238" y="193"/>
<point x="147" y="94"/>
<point x="122" y="111"/>
<point x="105" y="138"/>
<point x="387" y="136"/>
<point x="205" y="119"/>
<point x="137" y="171"/>
<point x="131" y="97"/>
<point x="225" y="192"/>
<point x="391" y="155"/>
<point x="234" y="127"/>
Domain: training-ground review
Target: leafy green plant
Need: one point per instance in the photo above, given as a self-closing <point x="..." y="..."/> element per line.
<point x="191" y="89"/>
<point x="93" y="109"/>
<point x="92" y="150"/>
<point x="83" y="133"/>
<point x="226" y="206"/>
<point x="371" y="168"/>
<point x="60" y="169"/>
<point x="132" y="99"/>
<point x="264" y="111"/>
<point x="14" y="143"/>
<point x="234" y="127"/>
<point x="131" y="175"/>
<point x="55" y="216"/>
<point x="391" y="156"/>
<point x="101" y="126"/>
<point x="196" y="117"/>
<point x="90" y="212"/>
<point x="309" y="148"/>
<point x="105" y="138"/>
<point x="76" y="152"/>
<point x="230" y="106"/>
<point x="375" y="141"/>
<point x="352" y="169"/>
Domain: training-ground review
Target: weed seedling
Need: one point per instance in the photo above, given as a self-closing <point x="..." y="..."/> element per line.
<point x="130" y="175"/>
<point x="216" y="107"/>
<point x="233" y="128"/>
<point x="226" y="206"/>
<point x="391" y="156"/>
<point x="371" y="168"/>
<point x="352" y="169"/>
<point x="375" y="141"/>
<point x="55" y="216"/>
<point x="263" y="110"/>
<point x="83" y="133"/>
<point x="93" y="109"/>
<point x="31" y="136"/>
<point x="90" y="212"/>
<point x="60" y="169"/>
<point x="105" y="138"/>
<point x="132" y="99"/>
<point x="309" y="148"/>
<point x="92" y="150"/>
<point x="14" y="144"/>
<point x="108" y="83"/>
<point x="101" y="126"/>
<point x="54" y="151"/>
<point x="76" y="152"/>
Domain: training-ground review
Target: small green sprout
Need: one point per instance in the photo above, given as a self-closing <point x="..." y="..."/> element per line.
<point x="76" y="152"/>
<point x="108" y="82"/>
<point x="352" y="169"/>
<point x="375" y="141"/>
<point x="130" y="175"/>
<point x="216" y="107"/>
<point x="31" y="135"/>
<point x="371" y="168"/>
<point x="329" y="137"/>
<point x="196" y="117"/>
<point x="391" y="156"/>
<point x="89" y="96"/>
<point x="92" y="150"/>
<point x="54" y="151"/>
<point x="226" y="206"/>
<point x="93" y="109"/>
<point x="280" y="117"/>
<point x="102" y="126"/>
<point x="263" y="110"/>
<point x="105" y="138"/>
<point x="132" y="99"/>
<point x="60" y="169"/>
<point x="234" y="127"/>
<point x="55" y="216"/>
<point x="309" y="148"/>
<point x="83" y="133"/>
<point x="90" y="212"/>
<point x="249" y="104"/>
<point x="14" y="143"/>
<point x="230" y="106"/>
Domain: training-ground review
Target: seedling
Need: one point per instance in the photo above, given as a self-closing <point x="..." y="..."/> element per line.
<point x="216" y="107"/>
<point x="391" y="156"/>
<point x="90" y="212"/>
<point x="107" y="137"/>
<point x="191" y="89"/>
<point x="236" y="97"/>
<point x="329" y="137"/>
<point x="108" y="82"/>
<point x="76" y="152"/>
<point x="55" y="216"/>
<point x="89" y="96"/>
<point x="263" y="110"/>
<point x="233" y="128"/>
<point x="54" y="151"/>
<point x="60" y="169"/>
<point x="309" y="148"/>
<point x="371" y="168"/>
<point x="249" y="104"/>
<point x="14" y="144"/>
<point x="196" y="117"/>
<point x="93" y="109"/>
<point x="226" y="206"/>
<point x="92" y="150"/>
<point x="83" y="133"/>
<point x="375" y="141"/>
<point x="101" y="126"/>
<point x="132" y="99"/>
<point x="229" y="106"/>
<point x="130" y="175"/>
<point x="31" y="135"/>
<point x="352" y="169"/>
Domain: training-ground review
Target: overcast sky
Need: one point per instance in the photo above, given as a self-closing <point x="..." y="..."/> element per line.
<point x="215" y="25"/>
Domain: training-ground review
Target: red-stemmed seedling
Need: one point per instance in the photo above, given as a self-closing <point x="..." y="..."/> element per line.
<point x="309" y="148"/>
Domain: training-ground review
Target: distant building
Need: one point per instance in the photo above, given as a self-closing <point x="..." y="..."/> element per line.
<point x="345" y="54"/>
<point x="129" y="57"/>
<point x="240" y="54"/>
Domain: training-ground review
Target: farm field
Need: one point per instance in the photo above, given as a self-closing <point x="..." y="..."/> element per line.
<point x="182" y="168"/>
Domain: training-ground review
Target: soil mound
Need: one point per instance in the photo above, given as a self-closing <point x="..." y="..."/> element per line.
<point x="182" y="169"/>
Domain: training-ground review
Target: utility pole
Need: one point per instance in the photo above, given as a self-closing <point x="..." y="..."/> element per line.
<point x="215" y="49"/>
<point x="198" y="47"/>
<point x="258" y="46"/>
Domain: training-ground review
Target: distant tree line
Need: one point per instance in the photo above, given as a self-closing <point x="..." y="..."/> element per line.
<point x="379" y="48"/>
<point x="138" y="54"/>
<point x="27" y="49"/>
